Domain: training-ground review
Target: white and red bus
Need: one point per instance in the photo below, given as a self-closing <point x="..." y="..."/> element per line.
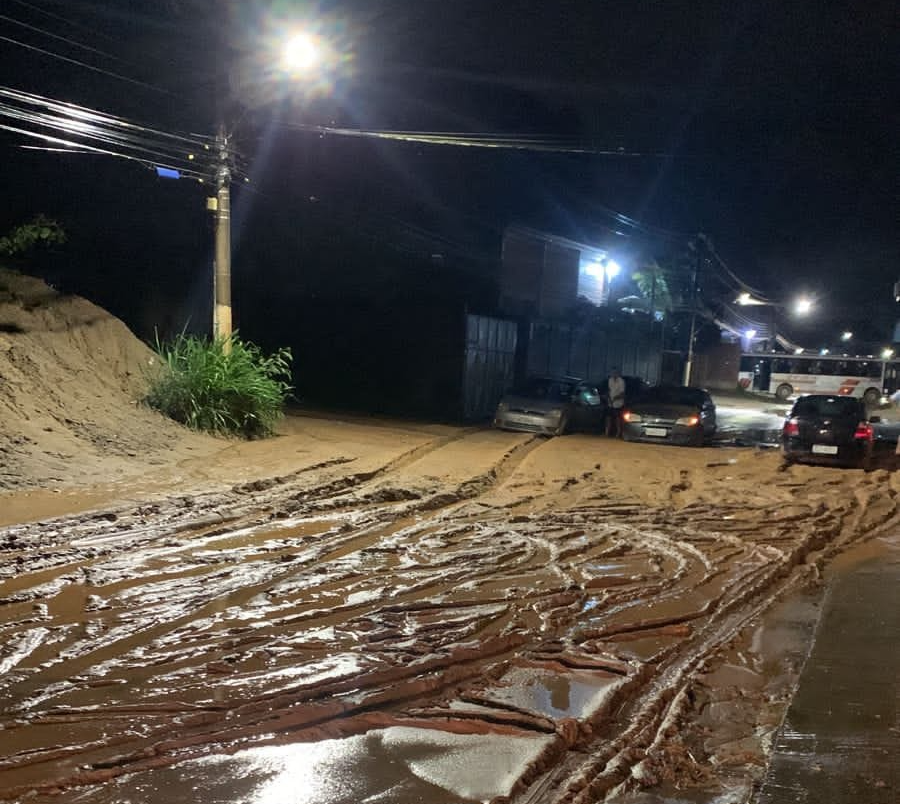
<point x="785" y="376"/>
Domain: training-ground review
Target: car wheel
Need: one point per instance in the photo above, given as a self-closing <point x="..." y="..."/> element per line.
<point x="783" y="391"/>
<point x="562" y="426"/>
<point x="871" y="397"/>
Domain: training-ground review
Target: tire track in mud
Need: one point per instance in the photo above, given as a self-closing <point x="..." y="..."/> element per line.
<point x="440" y="609"/>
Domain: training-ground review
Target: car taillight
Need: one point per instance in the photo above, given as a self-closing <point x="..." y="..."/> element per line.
<point x="864" y="432"/>
<point x="792" y="428"/>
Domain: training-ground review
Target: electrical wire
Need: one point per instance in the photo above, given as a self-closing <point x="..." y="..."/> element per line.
<point x="498" y="141"/>
<point x="80" y="147"/>
<point x="60" y="38"/>
<point x="66" y="20"/>
<point x="101" y="118"/>
<point x="742" y="285"/>
<point x="85" y="65"/>
<point x="88" y="130"/>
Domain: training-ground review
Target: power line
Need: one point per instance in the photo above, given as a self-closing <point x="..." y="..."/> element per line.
<point x="461" y="139"/>
<point x="85" y="65"/>
<point x="60" y="38"/>
<point x="742" y="285"/>
<point x="98" y="132"/>
<point x="86" y="114"/>
<point x="77" y="147"/>
<point x="60" y="18"/>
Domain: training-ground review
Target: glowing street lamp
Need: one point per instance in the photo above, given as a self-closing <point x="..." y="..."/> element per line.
<point x="846" y="336"/>
<point x="301" y="54"/>
<point x="887" y="353"/>
<point x="803" y="306"/>
<point x="613" y="269"/>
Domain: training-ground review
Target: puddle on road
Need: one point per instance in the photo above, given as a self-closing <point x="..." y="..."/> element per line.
<point x="554" y="694"/>
<point x="398" y="764"/>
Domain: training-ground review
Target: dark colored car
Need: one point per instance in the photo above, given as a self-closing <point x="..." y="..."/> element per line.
<point x="671" y="414"/>
<point x="829" y="429"/>
<point x="634" y="387"/>
<point x="551" y="406"/>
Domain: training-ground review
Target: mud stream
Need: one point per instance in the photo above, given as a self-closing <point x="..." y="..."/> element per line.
<point x="489" y="617"/>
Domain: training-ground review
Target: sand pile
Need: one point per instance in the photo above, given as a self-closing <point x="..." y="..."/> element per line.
<point x="71" y="377"/>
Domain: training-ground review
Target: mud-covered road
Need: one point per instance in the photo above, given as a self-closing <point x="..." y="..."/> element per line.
<point x="447" y="616"/>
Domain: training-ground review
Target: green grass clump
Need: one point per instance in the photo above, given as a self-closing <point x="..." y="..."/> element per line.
<point x="226" y="385"/>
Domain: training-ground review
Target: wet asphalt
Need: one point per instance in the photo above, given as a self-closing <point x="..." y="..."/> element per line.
<point x="840" y="741"/>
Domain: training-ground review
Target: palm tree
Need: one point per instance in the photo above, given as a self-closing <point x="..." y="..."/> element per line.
<point x="652" y="283"/>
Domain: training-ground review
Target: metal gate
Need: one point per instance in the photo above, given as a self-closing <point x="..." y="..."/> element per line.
<point x="489" y="364"/>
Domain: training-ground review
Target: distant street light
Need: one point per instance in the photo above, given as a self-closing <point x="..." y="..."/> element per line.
<point x="802" y="306"/>
<point x="887" y="353"/>
<point x="613" y="269"/>
<point x="750" y="334"/>
<point x="846" y="336"/>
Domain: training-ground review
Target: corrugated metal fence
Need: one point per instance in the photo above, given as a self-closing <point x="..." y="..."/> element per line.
<point x="591" y="352"/>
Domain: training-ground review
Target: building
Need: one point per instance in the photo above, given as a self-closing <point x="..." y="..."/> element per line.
<point x="543" y="275"/>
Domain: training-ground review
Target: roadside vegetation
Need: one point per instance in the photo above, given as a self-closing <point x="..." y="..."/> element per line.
<point x="225" y="386"/>
<point x="38" y="231"/>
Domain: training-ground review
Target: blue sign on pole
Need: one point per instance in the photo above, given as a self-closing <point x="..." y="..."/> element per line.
<point x="167" y="173"/>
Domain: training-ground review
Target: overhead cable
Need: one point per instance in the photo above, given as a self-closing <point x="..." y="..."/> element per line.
<point x="100" y="118"/>
<point x="79" y="147"/>
<point x="58" y="37"/>
<point x="85" y="65"/>
<point x="461" y="139"/>
<point x="92" y="30"/>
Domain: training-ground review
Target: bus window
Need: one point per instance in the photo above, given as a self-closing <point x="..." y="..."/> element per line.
<point x="782" y="366"/>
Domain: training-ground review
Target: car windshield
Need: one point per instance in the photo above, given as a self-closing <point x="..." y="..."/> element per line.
<point x="542" y="388"/>
<point x="826" y="406"/>
<point x="672" y="395"/>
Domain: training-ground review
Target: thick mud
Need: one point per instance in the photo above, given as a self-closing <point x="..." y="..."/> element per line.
<point x="482" y="616"/>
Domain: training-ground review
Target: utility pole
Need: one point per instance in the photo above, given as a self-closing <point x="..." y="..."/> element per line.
<point x="222" y="271"/>
<point x="690" y="355"/>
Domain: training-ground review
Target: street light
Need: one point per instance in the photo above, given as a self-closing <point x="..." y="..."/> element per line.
<point x="803" y="306"/>
<point x="846" y="336"/>
<point x="301" y="54"/>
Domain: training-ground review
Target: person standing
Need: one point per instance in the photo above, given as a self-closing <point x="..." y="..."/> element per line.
<point x="616" y="396"/>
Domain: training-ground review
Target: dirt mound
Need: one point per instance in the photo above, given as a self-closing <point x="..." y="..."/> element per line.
<point x="71" y="377"/>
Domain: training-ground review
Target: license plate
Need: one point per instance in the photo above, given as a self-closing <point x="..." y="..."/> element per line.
<point x="824" y="449"/>
<point x="659" y="432"/>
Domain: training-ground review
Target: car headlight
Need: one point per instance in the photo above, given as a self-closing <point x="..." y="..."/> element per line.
<point x="630" y="417"/>
<point x="502" y="407"/>
<point x="688" y="421"/>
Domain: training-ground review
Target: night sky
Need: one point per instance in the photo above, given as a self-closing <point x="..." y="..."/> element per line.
<point x="770" y="126"/>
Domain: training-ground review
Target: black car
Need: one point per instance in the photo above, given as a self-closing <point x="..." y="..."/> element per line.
<point x="829" y="429"/>
<point x="671" y="414"/>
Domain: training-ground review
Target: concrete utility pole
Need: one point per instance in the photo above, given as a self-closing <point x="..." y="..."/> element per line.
<point x="690" y="355"/>
<point x="222" y="272"/>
